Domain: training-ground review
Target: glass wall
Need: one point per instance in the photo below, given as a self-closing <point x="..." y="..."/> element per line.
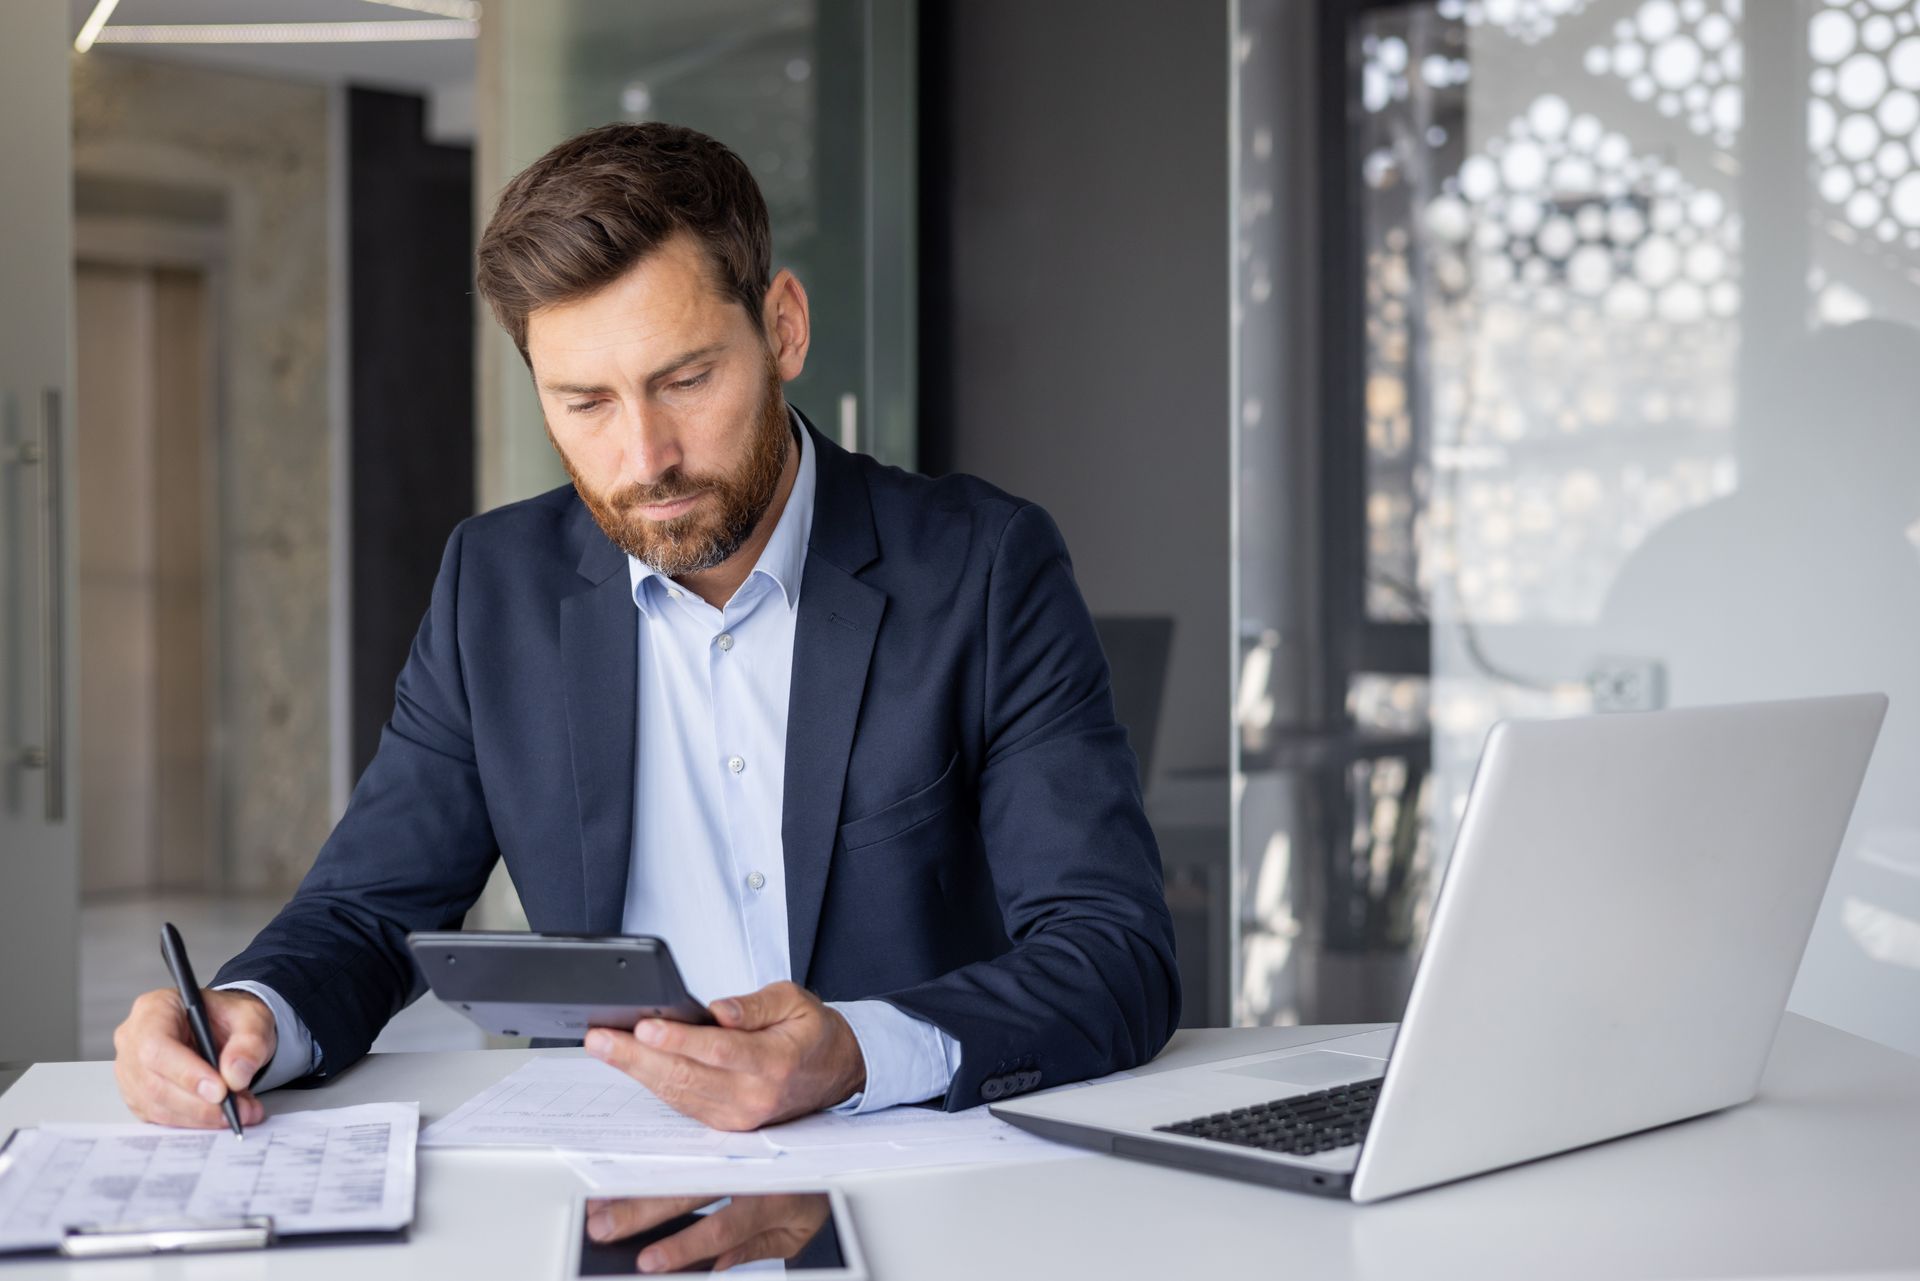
<point x="816" y="95"/>
<point x="1616" y="393"/>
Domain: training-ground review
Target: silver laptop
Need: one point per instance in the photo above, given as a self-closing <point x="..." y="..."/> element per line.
<point x="1611" y="950"/>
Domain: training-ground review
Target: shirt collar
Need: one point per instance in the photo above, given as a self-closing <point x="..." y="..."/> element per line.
<point x="784" y="558"/>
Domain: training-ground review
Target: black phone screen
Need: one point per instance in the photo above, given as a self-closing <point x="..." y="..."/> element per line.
<point x="709" y="1233"/>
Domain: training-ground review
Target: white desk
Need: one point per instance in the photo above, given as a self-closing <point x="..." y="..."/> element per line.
<point x="1819" y="1175"/>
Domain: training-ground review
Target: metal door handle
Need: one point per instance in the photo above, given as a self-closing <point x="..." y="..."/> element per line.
<point x="850" y="422"/>
<point x="50" y="753"/>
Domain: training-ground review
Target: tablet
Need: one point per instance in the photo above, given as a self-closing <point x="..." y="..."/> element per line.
<point x="554" y="985"/>
<point x="805" y="1233"/>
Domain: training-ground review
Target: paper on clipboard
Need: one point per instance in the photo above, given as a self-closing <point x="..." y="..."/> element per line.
<point x="332" y="1170"/>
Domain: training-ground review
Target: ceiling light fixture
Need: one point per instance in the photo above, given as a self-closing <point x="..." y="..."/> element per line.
<point x="291" y="32"/>
<point x="90" y="29"/>
<point x="467" y="9"/>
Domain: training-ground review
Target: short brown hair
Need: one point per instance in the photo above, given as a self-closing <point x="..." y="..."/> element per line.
<point x="581" y="216"/>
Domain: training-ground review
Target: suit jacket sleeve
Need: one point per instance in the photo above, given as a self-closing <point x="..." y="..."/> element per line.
<point x="1090" y="985"/>
<point x="412" y="852"/>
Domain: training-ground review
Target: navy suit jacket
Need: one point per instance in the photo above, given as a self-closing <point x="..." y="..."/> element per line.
<point x="962" y="824"/>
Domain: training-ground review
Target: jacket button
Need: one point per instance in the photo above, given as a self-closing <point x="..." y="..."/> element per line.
<point x="992" y="1088"/>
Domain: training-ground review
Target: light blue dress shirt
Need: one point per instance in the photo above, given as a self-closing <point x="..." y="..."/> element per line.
<point x="708" y="872"/>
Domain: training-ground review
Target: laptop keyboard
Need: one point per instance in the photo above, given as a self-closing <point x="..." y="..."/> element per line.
<point x="1298" y="1126"/>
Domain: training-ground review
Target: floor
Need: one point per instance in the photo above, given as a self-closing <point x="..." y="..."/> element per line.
<point x="120" y="958"/>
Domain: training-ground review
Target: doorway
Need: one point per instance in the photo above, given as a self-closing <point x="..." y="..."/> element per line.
<point x="146" y="604"/>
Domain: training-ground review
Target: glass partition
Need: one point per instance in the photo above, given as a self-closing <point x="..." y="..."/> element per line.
<point x="816" y="95"/>
<point x="1613" y="395"/>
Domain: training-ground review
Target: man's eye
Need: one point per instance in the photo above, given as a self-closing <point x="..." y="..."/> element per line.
<point x="584" y="406"/>
<point x="688" y="384"/>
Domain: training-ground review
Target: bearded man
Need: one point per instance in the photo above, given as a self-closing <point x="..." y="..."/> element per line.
<point x="841" y="734"/>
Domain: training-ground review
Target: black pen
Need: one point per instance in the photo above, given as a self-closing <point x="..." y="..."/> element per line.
<point x="175" y="953"/>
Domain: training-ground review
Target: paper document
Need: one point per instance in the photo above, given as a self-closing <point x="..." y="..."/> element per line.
<point x="826" y="1145"/>
<point x="582" y="1105"/>
<point x="911" y="1125"/>
<point x="612" y="1172"/>
<point x="332" y="1170"/>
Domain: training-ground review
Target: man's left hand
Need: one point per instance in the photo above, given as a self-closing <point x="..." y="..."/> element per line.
<point x="777" y="1054"/>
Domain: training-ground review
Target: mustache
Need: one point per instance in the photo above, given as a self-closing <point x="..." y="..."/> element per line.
<point x="669" y="489"/>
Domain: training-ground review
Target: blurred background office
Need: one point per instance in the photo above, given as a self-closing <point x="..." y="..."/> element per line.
<point x="1391" y="368"/>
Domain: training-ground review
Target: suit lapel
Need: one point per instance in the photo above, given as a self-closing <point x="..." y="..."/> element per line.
<point x="834" y="634"/>
<point x="599" y="654"/>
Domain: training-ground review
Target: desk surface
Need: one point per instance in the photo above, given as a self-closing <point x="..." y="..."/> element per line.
<point x="1819" y="1175"/>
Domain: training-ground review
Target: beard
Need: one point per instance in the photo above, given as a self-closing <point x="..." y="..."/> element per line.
<point x="706" y="536"/>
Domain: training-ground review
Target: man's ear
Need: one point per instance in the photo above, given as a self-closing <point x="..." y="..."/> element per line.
<point x="787" y="324"/>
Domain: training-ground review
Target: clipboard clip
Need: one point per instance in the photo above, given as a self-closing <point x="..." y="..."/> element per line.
<point x="97" y="1241"/>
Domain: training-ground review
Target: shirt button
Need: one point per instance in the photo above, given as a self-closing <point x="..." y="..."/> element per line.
<point x="671" y="592"/>
<point x="756" y="881"/>
<point x="736" y="763"/>
<point x="725" y="642"/>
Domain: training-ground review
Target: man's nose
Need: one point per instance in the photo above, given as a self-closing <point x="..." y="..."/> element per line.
<point x="652" y="449"/>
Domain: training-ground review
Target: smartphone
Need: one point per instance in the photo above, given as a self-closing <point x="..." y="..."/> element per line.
<point x="805" y="1233"/>
<point x="554" y="985"/>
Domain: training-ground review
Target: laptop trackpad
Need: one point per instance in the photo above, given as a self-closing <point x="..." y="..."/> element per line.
<point x="1313" y="1068"/>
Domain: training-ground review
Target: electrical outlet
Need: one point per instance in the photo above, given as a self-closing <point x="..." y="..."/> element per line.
<point x="1627" y="684"/>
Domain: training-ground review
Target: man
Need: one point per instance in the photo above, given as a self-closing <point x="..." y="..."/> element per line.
<point x="841" y="734"/>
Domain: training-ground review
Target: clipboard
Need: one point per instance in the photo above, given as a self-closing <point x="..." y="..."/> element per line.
<point x="93" y="1242"/>
<point x="209" y="1233"/>
<point x="212" y="1236"/>
<point x="255" y="1232"/>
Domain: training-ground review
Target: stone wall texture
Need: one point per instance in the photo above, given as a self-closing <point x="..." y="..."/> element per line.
<point x="261" y="145"/>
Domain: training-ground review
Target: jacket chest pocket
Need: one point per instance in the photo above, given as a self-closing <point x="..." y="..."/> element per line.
<point x="906" y="813"/>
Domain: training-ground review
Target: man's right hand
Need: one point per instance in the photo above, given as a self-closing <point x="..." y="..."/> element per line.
<point x="162" y="1076"/>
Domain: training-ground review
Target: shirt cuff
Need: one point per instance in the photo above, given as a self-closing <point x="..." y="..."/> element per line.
<point x="908" y="1061"/>
<point x="294" y="1053"/>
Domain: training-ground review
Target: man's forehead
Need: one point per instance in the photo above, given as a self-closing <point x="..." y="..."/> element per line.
<point x="639" y="332"/>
